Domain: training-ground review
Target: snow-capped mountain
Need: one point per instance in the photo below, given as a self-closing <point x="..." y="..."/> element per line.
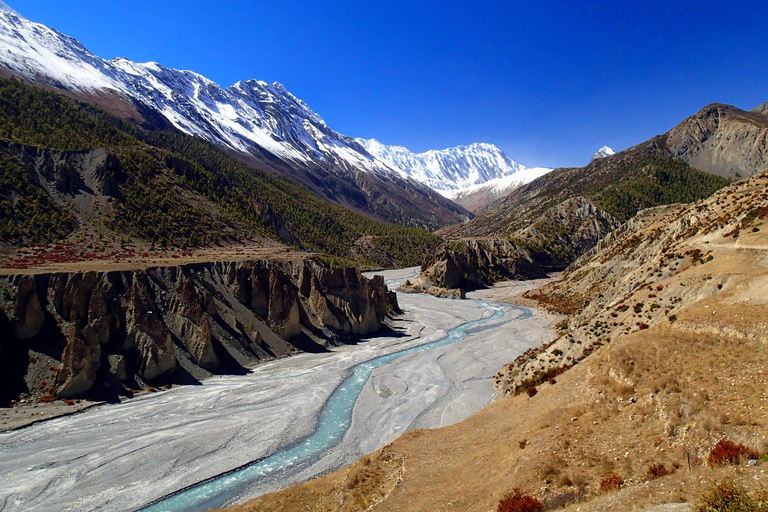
<point x="478" y="197"/>
<point x="473" y="176"/>
<point x="247" y="113"/>
<point x="276" y="130"/>
<point x="449" y="169"/>
<point x="603" y="152"/>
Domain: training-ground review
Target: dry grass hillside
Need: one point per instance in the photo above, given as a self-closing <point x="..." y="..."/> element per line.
<point x="657" y="385"/>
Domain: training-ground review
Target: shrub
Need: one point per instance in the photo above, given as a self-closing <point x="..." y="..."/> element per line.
<point x="612" y="482"/>
<point x="517" y="501"/>
<point x="532" y="391"/>
<point x="728" y="452"/>
<point x="542" y="376"/>
<point x="659" y="470"/>
<point x="562" y="499"/>
<point x="728" y="497"/>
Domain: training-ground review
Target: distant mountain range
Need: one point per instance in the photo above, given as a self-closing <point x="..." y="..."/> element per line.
<point x="264" y="124"/>
<point x="473" y="176"/>
<point x="677" y="166"/>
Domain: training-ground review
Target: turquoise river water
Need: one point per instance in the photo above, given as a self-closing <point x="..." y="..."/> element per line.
<point x="333" y="422"/>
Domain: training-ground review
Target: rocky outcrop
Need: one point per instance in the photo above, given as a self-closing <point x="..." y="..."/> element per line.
<point x="127" y="329"/>
<point x="472" y="264"/>
<point x="723" y="140"/>
<point x="557" y="238"/>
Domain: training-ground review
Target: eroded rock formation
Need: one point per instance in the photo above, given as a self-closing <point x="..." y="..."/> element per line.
<point x="551" y="243"/>
<point x="97" y="331"/>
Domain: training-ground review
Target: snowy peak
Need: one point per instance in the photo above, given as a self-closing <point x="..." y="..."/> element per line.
<point x="478" y="197"/>
<point x="603" y="152"/>
<point x="4" y="7"/>
<point x="250" y="116"/>
<point x="448" y="169"/>
<point x="34" y="51"/>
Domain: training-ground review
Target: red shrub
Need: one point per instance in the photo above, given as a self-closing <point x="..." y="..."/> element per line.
<point x="532" y="391"/>
<point x="659" y="470"/>
<point x="728" y="452"/>
<point x="612" y="483"/>
<point x="517" y="501"/>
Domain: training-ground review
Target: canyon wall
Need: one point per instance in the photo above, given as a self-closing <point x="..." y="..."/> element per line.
<point x="102" y="334"/>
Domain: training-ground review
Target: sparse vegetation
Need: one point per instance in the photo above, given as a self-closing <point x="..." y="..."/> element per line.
<point x="728" y="452"/>
<point x="729" y="497"/>
<point x="659" y="470"/>
<point x="612" y="482"/>
<point x="518" y="501"/>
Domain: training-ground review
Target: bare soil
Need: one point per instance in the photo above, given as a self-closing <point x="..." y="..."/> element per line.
<point x="71" y="257"/>
<point x="23" y="415"/>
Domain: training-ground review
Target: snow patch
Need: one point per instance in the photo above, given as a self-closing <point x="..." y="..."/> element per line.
<point x="603" y="152"/>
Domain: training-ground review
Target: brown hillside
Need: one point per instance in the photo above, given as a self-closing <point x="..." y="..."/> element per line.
<point x="664" y="381"/>
<point x="719" y="139"/>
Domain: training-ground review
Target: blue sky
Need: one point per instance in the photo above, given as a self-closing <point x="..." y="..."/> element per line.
<point x="547" y="81"/>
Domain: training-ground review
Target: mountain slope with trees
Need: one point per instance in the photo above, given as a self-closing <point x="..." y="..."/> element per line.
<point x="261" y="124"/>
<point x="68" y="167"/>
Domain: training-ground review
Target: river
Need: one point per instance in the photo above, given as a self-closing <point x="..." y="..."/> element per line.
<point x="294" y="416"/>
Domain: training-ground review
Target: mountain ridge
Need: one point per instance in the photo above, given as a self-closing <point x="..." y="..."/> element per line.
<point x="264" y="124"/>
<point x="719" y="139"/>
<point x="71" y="173"/>
<point x="473" y="176"/>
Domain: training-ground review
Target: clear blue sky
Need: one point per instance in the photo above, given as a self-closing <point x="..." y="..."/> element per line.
<point x="547" y="81"/>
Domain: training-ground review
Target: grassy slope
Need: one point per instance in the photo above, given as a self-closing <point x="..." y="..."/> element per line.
<point x="176" y="189"/>
<point x="663" y="394"/>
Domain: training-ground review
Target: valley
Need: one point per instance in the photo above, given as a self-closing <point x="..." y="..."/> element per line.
<point x="209" y="297"/>
<point x="661" y="357"/>
<point x="124" y="456"/>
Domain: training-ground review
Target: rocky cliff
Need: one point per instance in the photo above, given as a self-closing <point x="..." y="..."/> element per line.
<point x="472" y="264"/>
<point x="551" y="243"/>
<point x="103" y="334"/>
<point x="722" y="140"/>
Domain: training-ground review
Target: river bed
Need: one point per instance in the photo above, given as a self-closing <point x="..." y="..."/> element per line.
<point x="124" y="456"/>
